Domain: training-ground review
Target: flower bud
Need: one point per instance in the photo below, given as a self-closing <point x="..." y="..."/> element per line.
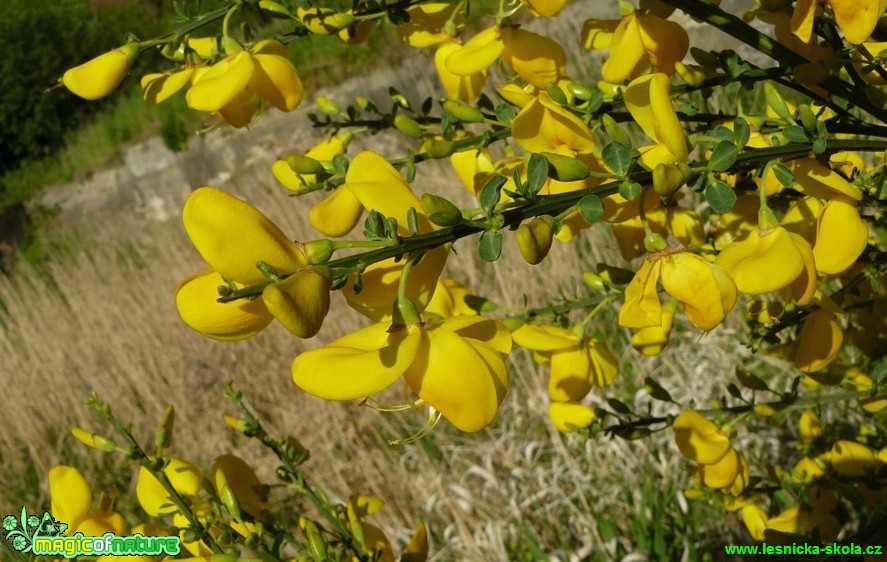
<point x="692" y="75"/>
<point x="440" y="211"/>
<point x="463" y="112"/>
<point x="318" y="251"/>
<point x="568" y="416"/>
<point x="99" y="77"/>
<point x="301" y="164"/>
<point x="274" y="8"/>
<point x="237" y="424"/>
<point x="316" y="542"/>
<point x="654" y="242"/>
<point x="94" y="440"/>
<point x="437" y="148"/>
<point x="163" y="435"/>
<point x="408" y="126"/>
<point x="579" y="91"/>
<point x="324" y="21"/>
<point x="534" y="239"/>
<point x="327" y="105"/>
<point x="300" y="302"/>
<point x="565" y="168"/>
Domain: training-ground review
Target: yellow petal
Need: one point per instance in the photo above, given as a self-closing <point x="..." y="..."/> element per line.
<point x="544" y="126"/>
<point x="477" y="53"/>
<point x="626" y="51"/>
<point x="544" y="338"/>
<point x="488" y="332"/>
<point x="665" y="42"/>
<point x="70" y="494"/>
<point x="604" y="365"/>
<point x="537" y="59"/>
<point x="153" y="497"/>
<point x="156" y="88"/>
<point x="100" y="76"/>
<point x="242" y="479"/>
<point x="841" y="237"/>
<point x="803" y="288"/>
<point x="462" y="87"/>
<point x="221" y="83"/>
<point x="818" y="180"/>
<point x="650" y="341"/>
<point x="467" y="397"/>
<point x="763" y="262"/>
<point x="427" y="24"/>
<point x="98" y="524"/>
<point x="451" y="299"/>
<point x="336" y="214"/>
<point x="699" y="439"/>
<point x="755" y="520"/>
<point x="356" y="365"/>
<point x="566" y="414"/>
<point x="722" y="473"/>
<point x="545" y="8"/>
<point x="849" y="458"/>
<point x="568" y="381"/>
<point x="300" y="302"/>
<point x="819" y="341"/>
<point x="857" y="19"/>
<point x="597" y="34"/>
<point x="787" y="521"/>
<point x="378" y="186"/>
<point x="648" y="100"/>
<point x="232" y="236"/>
<point x="275" y="79"/>
<point x="239" y="111"/>
<point x="704" y="289"/>
<point x="642" y="307"/>
<point x="802" y="19"/>
<point x="197" y="302"/>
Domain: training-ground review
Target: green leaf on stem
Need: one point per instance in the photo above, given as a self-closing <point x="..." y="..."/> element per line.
<point x="591" y="208"/>
<point x="720" y="196"/>
<point x="723" y="156"/>
<point x="537" y="173"/>
<point x="489" y="247"/>
<point x="489" y="193"/>
<point x="617" y="158"/>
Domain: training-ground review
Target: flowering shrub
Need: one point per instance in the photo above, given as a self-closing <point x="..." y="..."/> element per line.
<point x="771" y="213"/>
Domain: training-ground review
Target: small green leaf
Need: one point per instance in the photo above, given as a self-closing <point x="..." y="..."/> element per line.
<point x="630" y="190"/>
<point x="489" y="193"/>
<point x="555" y="93"/>
<point x="784" y="175"/>
<point x="505" y="113"/>
<point x="617" y="158"/>
<point x="655" y="390"/>
<point x="565" y="168"/>
<point x="795" y="133"/>
<point x="741" y="132"/>
<point x="618" y="406"/>
<point x="340" y="164"/>
<point x="489" y="247"/>
<point x="591" y="208"/>
<point x="820" y="145"/>
<point x="749" y="380"/>
<point x="614" y="131"/>
<point x="374" y="226"/>
<point x="720" y="197"/>
<point x="413" y="221"/>
<point x="723" y="156"/>
<point x="596" y="101"/>
<point x="537" y="173"/>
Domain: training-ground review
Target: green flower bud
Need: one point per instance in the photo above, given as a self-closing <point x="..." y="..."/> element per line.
<point x="463" y="112"/>
<point x="274" y="8"/>
<point x="408" y="126"/>
<point x="163" y="435"/>
<point x="440" y="211"/>
<point x="534" y="239"/>
<point x="438" y="148"/>
<point x="301" y="164"/>
<point x="654" y="242"/>
<point x="319" y="251"/>
<point x="579" y="91"/>
<point x="556" y="94"/>
<point x="327" y="105"/>
<point x="316" y="543"/>
<point x="808" y="119"/>
<point x="94" y="440"/>
<point x="565" y="168"/>
<point x="776" y="103"/>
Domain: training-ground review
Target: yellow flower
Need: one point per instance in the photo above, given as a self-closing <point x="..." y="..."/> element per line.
<point x="841" y="236"/>
<point x="71" y="499"/>
<point x="648" y="100"/>
<point x="725" y="472"/>
<point x="544" y="8"/>
<point x="451" y="299"/>
<point x="704" y="289"/>
<point x="229" y="86"/>
<point x="699" y="439"/>
<point x="809" y="427"/>
<point x="153" y="497"/>
<point x="427" y="25"/>
<point x="766" y="260"/>
<point x="339" y="212"/>
<point x="544" y="126"/>
<point x="473" y="168"/>
<point x="158" y="87"/>
<point x="567" y="416"/>
<point x="650" y="341"/>
<point x="232" y="236"/>
<point x="369" y="360"/>
<point x="819" y="341"/>
<point x="462" y="87"/>
<point x="377" y="185"/>
<point x="639" y="44"/>
<point x="233" y="472"/>
<point x="100" y="76"/>
<point x="577" y="363"/>
<point x="856" y="18"/>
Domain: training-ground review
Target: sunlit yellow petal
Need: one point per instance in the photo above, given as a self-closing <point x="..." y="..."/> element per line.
<point x="300" y="302"/>
<point x="544" y="338"/>
<point x="841" y="237"/>
<point x="699" y="439"/>
<point x="70" y="494"/>
<point x="221" y="83"/>
<point x="642" y="307"/>
<point x="819" y="341"/>
<point x="197" y="302"/>
<point x="154" y="498"/>
<point x="100" y="76"/>
<point x="156" y="88"/>
<point x="566" y="414"/>
<point x="477" y="53"/>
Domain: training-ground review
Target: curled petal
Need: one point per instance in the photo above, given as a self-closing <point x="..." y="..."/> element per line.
<point x="232" y="236"/>
<point x="242" y="479"/>
<point x="468" y="396"/>
<point x="70" y="494"/>
<point x="537" y="59"/>
<point x="598" y="34"/>
<point x="300" y="302"/>
<point x="462" y="87"/>
<point x="642" y="307"/>
<point x="841" y="237"/>
<point x="378" y="186"/>
<point x="275" y="79"/>
<point x="198" y="306"/>
<point x="154" y="498"/>
<point x="221" y="83"/>
<point x="699" y="439"/>
<point x="602" y="362"/>
<point x="704" y="289"/>
<point x="336" y="214"/>
<point x="357" y="365"/>
<point x="819" y="341"/>
<point x="477" y="53"/>
<point x="156" y="88"/>
<point x="427" y="25"/>
<point x="544" y="338"/>
<point x="764" y="261"/>
<point x="568" y="381"/>
<point x="544" y="126"/>
<point x="665" y="42"/>
<point x="100" y="76"/>
<point x="626" y="51"/>
<point x="567" y="416"/>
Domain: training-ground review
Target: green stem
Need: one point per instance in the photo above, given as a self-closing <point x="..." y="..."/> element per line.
<point x="712" y="14"/>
